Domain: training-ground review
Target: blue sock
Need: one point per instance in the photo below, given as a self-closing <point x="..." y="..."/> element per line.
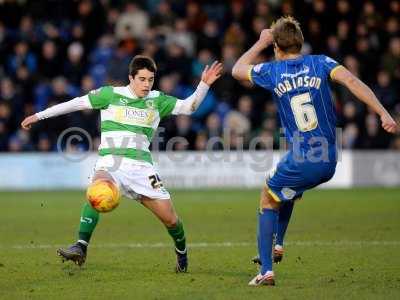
<point x="285" y="212"/>
<point x="267" y="221"/>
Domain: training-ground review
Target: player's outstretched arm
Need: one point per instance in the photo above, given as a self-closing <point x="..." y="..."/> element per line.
<point x="191" y="103"/>
<point x="242" y="67"/>
<point x="75" y="104"/>
<point x="366" y="95"/>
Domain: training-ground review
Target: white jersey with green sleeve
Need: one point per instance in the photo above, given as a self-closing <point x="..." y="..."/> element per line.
<point x="128" y="123"/>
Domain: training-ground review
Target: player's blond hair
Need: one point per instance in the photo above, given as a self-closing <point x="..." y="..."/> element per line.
<point x="288" y="35"/>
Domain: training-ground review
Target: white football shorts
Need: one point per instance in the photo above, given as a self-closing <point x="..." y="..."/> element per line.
<point x="134" y="178"/>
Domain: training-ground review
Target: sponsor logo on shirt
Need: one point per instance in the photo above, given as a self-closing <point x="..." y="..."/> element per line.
<point x="123" y="101"/>
<point x="135" y="116"/>
<point x="330" y="60"/>
<point x="305" y="70"/>
<point x="257" y="68"/>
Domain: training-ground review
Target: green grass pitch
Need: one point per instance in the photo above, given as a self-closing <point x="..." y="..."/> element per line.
<point x="341" y="244"/>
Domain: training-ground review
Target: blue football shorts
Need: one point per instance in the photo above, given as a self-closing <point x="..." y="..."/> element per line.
<point x="292" y="177"/>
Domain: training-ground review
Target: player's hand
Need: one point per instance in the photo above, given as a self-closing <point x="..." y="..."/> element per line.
<point x="28" y="121"/>
<point x="266" y="38"/>
<point x="210" y="74"/>
<point x="388" y="123"/>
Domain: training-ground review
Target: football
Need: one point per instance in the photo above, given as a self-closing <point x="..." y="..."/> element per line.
<point x="103" y="196"/>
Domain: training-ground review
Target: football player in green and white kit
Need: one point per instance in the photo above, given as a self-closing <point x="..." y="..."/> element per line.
<point x="129" y="117"/>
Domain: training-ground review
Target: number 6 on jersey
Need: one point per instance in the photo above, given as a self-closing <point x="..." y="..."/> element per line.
<point x="304" y="112"/>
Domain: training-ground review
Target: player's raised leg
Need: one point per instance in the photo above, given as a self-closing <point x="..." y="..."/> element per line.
<point x="267" y="227"/>
<point x="285" y="212"/>
<point x="164" y="211"/>
<point x="89" y="218"/>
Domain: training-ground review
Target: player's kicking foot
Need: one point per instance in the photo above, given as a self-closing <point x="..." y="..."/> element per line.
<point x="266" y="279"/>
<point x="76" y="253"/>
<point x="181" y="261"/>
<point x="277" y="256"/>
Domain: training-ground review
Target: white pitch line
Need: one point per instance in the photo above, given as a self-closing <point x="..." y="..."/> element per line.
<point x="214" y="245"/>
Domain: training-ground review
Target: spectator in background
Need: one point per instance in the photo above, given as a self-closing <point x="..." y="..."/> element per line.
<point x="100" y="59"/>
<point x="26" y="83"/>
<point x="176" y="61"/>
<point x="235" y="36"/>
<point x="19" y="141"/>
<point x="343" y="10"/>
<point x="350" y="136"/>
<point x="392" y="29"/>
<point x="374" y="137"/>
<point x="236" y="14"/>
<point x="209" y="37"/>
<point x="213" y="131"/>
<point x="49" y="61"/>
<point x="263" y="10"/>
<point x="181" y="37"/>
<point x="315" y="36"/>
<point x="230" y="54"/>
<point x="238" y="128"/>
<point x="265" y="140"/>
<point x="5" y="125"/>
<point x="391" y="59"/>
<point x="366" y="57"/>
<point x="258" y="24"/>
<point x="93" y="19"/>
<point x="384" y="90"/>
<point x="75" y="66"/>
<point x="132" y="23"/>
<point x="164" y="17"/>
<point x="59" y="86"/>
<point x="12" y="104"/>
<point x="44" y="144"/>
<point x="344" y="37"/>
<point x="205" y="57"/>
<point x="395" y="145"/>
<point x="3" y="47"/>
<point x="184" y="131"/>
<point x="201" y="143"/>
<point x="26" y="30"/>
<point x="269" y="128"/>
<point x="370" y="16"/>
<point x="334" y="48"/>
<point x="22" y="56"/>
<point x="245" y="107"/>
<point x="117" y="68"/>
<point x="394" y="7"/>
<point x="195" y="16"/>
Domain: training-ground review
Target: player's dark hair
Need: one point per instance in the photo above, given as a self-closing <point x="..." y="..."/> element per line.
<point x="287" y="35"/>
<point x="140" y="62"/>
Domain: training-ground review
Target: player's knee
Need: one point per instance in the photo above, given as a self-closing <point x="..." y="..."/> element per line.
<point x="171" y="221"/>
<point x="267" y="201"/>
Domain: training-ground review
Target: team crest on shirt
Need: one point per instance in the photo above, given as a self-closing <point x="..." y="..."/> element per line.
<point x="150" y="104"/>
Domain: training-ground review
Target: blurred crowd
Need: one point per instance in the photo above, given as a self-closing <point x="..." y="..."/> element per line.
<point x="52" y="51"/>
